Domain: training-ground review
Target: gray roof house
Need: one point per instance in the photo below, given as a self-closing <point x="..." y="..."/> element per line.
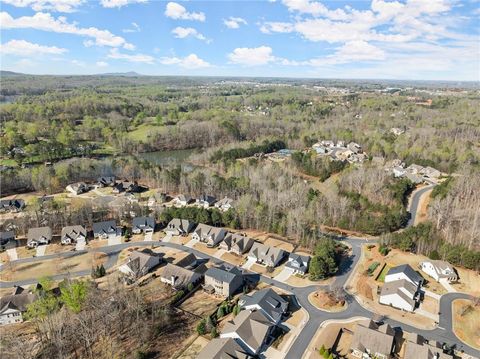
<point x="269" y="256"/>
<point x="404" y="271"/>
<point x="373" y="340"/>
<point x="224" y="204"/>
<point x="251" y="329"/>
<point x="205" y="201"/>
<point x="179" y="226"/>
<point x="78" y="188"/>
<point x="38" y="236"/>
<point x="223" y="348"/>
<point x="179" y="277"/>
<point x="209" y="235"/>
<point x="125" y="186"/>
<point x="182" y="200"/>
<point x="106" y="229"/>
<point x="14" y="305"/>
<point x="106" y="181"/>
<point x="298" y="263"/>
<point x="143" y="224"/>
<point x="272" y="305"/>
<point x="223" y="281"/>
<point x="236" y="243"/>
<point x="416" y="347"/>
<point x="139" y="263"/>
<point x="7" y="240"/>
<point x="12" y="205"/>
<point x="72" y="234"/>
<point x="400" y="294"/>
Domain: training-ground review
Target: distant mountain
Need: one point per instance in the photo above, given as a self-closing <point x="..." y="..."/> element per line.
<point x="10" y="73"/>
<point x="126" y="74"/>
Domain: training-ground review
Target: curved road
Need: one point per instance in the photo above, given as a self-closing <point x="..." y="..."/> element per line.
<point x="443" y="333"/>
<point x="415" y="203"/>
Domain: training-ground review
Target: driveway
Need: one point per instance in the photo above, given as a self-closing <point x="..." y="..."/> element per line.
<point x="427" y="314"/>
<point x="148" y="237"/>
<point x="218" y="254"/>
<point x="167" y="238"/>
<point x="432" y="295"/>
<point x="41" y="251"/>
<point x="249" y="263"/>
<point x="80" y="245"/>
<point x="191" y="243"/>
<point x="283" y="275"/>
<point x="12" y="254"/>
<point x="113" y="240"/>
<point x="444" y="282"/>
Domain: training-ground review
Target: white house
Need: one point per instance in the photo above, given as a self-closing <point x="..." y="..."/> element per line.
<point x="224" y="204"/>
<point x="406" y="272"/>
<point x="182" y="200"/>
<point x="400" y="294"/>
<point x="209" y="235"/>
<point x="73" y="234"/>
<point x="297" y="263"/>
<point x="14" y="305"/>
<point x="439" y="270"/>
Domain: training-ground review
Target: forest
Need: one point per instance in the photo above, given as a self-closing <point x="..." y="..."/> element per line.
<point x="92" y="126"/>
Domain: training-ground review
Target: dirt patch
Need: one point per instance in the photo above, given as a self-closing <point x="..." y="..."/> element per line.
<point x="466" y="321"/>
<point x="194" y="349"/>
<point x="327" y="301"/>
<point x="303" y="281"/>
<point x="364" y="288"/>
<point x="297" y="317"/>
<point x="202" y="247"/>
<point x="51" y="267"/>
<point x="233" y="259"/>
<point x="201" y="303"/>
<point x="273" y="242"/>
<point x="430" y="305"/>
<point x="263" y="270"/>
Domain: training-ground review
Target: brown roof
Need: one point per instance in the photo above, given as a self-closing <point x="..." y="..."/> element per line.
<point x="373" y="338"/>
<point x="17" y="301"/>
<point x="223" y="348"/>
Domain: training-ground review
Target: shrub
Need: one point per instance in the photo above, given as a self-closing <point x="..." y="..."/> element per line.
<point x="202" y="327"/>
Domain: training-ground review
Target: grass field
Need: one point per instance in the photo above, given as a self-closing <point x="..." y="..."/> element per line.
<point x="383" y="273"/>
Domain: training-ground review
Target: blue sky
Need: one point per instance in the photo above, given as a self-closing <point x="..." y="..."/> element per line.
<point x="402" y="39"/>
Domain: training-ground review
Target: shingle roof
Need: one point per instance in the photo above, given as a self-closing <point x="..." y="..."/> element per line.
<point x="223" y="348"/>
<point x="409" y="272"/>
<point x="73" y="232"/>
<point x="143" y="222"/>
<point x="266" y="253"/>
<point x="17" y="301"/>
<point x="267" y="299"/>
<point x="106" y="227"/>
<point x="400" y="287"/>
<point x="39" y="232"/>
<point x="375" y="339"/>
<point x="223" y="275"/>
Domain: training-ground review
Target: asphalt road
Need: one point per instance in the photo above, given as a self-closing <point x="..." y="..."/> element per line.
<point x="415" y="203"/>
<point x="442" y="333"/>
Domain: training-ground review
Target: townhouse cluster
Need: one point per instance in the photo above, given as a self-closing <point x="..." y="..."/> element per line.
<point x="340" y="151"/>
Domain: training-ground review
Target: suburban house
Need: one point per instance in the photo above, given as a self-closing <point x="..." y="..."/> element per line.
<point x="268" y="256"/>
<point x="414" y="169"/>
<point x="73" y="234"/>
<point x="126" y="186"/>
<point x="205" y="201"/>
<point x="14" y="305"/>
<point x="106" y="181"/>
<point x="158" y="199"/>
<point x="139" y="263"/>
<point x="78" y="188"/>
<point x="373" y="341"/>
<point x="416" y="347"/>
<point x="105" y="230"/>
<point x="267" y="301"/>
<point x="236" y="243"/>
<point x="224" y="204"/>
<point x="182" y="200"/>
<point x="187" y="260"/>
<point x="179" y="277"/>
<point x="297" y="263"/>
<point x="177" y="227"/>
<point x="223" y="282"/>
<point x="404" y="271"/>
<point x="7" y="240"/>
<point x="38" y="236"/>
<point x="12" y="205"/>
<point x="209" y="235"/>
<point x="400" y="294"/>
<point x="430" y="172"/>
<point x="143" y="224"/>
<point x="354" y="147"/>
<point x="439" y="270"/>
<point x="223" y="348"/>
<point x="251" y="329"/>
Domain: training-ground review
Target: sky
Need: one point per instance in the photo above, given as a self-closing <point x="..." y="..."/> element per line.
<point x="377" y="39"/>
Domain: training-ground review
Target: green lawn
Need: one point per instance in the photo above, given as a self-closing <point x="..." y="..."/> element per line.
<point x="143" y="132"/>
<point x="381" y="276"/>
<point x="8" y="162"/>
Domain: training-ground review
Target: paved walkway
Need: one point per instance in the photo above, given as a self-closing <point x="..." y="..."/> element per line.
<point x="148" y="237"/>
<point x="283" y="275"/>
<point x="167" y="238"/>
<point x="12" y="254"/>
<point x="248" y="264"/>
<point x="432" y="295"/>
<point x="447" y="286"/>
<point x="41" y="251"/>
<point x="114" y="240"/>
<point x="80" y="245"/>
<point x="191" y="243"/>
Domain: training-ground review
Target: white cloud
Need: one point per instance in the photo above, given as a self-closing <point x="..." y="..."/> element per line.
<point x="251" y="56"/>
<point x="177" y="11"/>
<point x="119" y="3"/>
<point x="50" y="5"/>
<point x="46" y="22"/>
<point x="101" y="64"/>
<point x="183" y="32"/>
<point x="234" y="22"/>
<point x="142" y="58"/>
<point x="314" y="8"/>
<point x="269" y="27"/>
<point x="78" y="63"/>
<point x="25" y="48"/>
<point x="352" y="51"/>
<point x="191" y="61"/>
<point x="135" y="28"/>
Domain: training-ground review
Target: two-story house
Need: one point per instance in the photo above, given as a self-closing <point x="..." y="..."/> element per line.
<point x="209" y="235"/>
<point x="222" y="281"/>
